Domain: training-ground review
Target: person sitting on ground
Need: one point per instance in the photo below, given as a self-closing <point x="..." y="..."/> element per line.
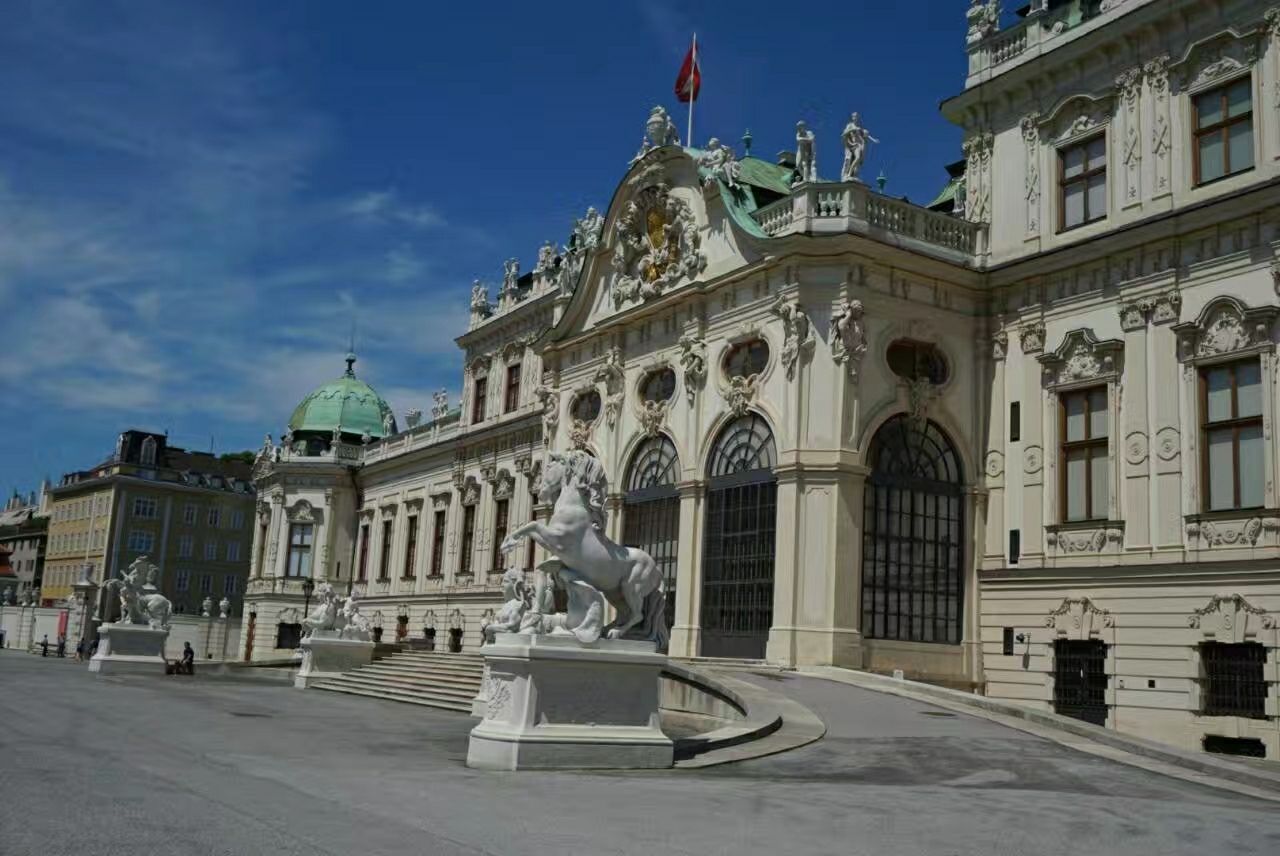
<point x="188" y="659"/>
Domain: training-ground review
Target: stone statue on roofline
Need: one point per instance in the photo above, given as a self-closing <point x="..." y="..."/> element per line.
<point x="855" y="139"/>
<point x="806" y="155"/>
<point x="720" y="162"/>
<point x="659" y="131"/>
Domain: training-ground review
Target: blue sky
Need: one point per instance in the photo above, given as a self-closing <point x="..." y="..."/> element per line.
<point x="196" y="199"/>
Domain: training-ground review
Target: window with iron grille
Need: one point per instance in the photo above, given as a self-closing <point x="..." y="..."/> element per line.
<point x="437" y="544"/>
<point x="1233" y="682"/>
<point x="500" y="519"/>
<point x="1080" y="679"/>
<point x="411" y="547"/>
<point x="513" y="388"/>
<point x="468" y="538"/>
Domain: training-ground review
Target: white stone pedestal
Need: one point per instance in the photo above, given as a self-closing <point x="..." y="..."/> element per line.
<point x="554" y="703"/>
<point x="328" y="656"/>
<point x="129" y="648"/>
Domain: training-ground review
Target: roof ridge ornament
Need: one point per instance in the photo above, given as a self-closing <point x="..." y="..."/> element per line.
<point x="659" y="131"/>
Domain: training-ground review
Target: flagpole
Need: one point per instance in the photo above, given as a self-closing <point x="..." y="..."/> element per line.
<point x="693" y="76"/>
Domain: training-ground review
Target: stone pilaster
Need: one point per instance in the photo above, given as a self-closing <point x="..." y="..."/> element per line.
<point x="1134" y="458"/>
<point x="686" y="631"/>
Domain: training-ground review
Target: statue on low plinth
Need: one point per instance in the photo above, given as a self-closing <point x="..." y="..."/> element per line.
<point x="856" y="139"/>
<point x="592" y="567"/>
<point x="139" y="602"/>
<point x="336" y="617"/>
<point x="337" y="638"/>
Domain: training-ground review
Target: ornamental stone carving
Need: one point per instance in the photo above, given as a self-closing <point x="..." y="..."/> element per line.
<point x="579" y="434"/>
<point x="656" y="245"/>
<point x="796" y="332"/>
<point x="470" y="491"/>
<point x="1156" y="72"/>
<point x="1165" y="307"/>
<point x="1168" y="446"/>
<point x="1129" y="85"/>
<point x="983" y="19"/>
<point x="1135" y="448"/>
<point x="1079" y="618"/>
<point x="1067" y="541"/>
<point x="999" y="345"/>
<point x="611" y="374"/>
<point x="1133" y="316"/>
<point x="1032" y="460"/>
<point x="1225" y="533"/>
<point x="652" y="415"/>
<point x="994" y="465"/>
<point x="848" y="335"/>
<point x="1081" y="357"/>
<point x="659" y="131"/>
<point x="693" y="362"/>
<point x="549" y="401"/>
<point x="1231" y="618"/>
<point x="1032" y="338"/>
<point x="1225" y="326"/>
<point x="739" y="393"/>
<point x="1030" y="125"/>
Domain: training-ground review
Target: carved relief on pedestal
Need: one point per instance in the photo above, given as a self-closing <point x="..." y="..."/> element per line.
<point x="1231" y="618"/>
<point x="1079" y="618"/>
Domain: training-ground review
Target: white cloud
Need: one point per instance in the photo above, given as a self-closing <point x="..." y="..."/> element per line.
<point x="385" y="207"/>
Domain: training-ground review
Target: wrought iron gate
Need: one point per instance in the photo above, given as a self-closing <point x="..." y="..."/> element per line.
<point x="651" y="510"/>
<point x="1080" y="679"/>
<point x="739" y="547"/>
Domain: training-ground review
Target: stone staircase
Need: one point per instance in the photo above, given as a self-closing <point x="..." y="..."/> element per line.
<point x="434" y="679"/>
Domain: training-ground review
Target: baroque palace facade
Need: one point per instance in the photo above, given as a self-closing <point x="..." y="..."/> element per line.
<point x="1019" y="441"/>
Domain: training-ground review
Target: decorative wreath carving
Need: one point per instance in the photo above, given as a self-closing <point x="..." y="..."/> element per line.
<point x="657" y="244"/>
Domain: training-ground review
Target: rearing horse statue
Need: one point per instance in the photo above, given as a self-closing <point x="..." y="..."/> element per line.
<point x="627" y="577"/>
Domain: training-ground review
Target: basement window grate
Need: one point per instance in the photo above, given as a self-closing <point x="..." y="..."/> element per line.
<point x="1249" y="747"/>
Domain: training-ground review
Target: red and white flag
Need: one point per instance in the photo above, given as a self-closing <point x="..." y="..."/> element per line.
<point x="689" y="82"/>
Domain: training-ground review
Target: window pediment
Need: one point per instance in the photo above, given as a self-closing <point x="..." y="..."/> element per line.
<point x="1082" y="358"/>
<point x="1217" y="59"/>
<point x="1075" y="117"/>
<point x="1226" y="326"/>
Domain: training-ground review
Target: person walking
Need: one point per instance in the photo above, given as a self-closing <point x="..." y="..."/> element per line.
<point x="79" y="651"/>
<point x="44" y="646"/>
<point x="62" y="647"/>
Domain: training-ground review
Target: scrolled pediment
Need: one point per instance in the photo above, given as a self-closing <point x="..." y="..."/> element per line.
<point x="1076" y="116"/>
<point x="1218" y="58"/>
<point x="1225" y="326"/>
<point x="1082" y="357"/>
<point x="655" y="242"/>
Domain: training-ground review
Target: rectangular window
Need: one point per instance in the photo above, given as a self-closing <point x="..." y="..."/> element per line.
<point x="513" y="388"/>
<point x="237" y="520"/>
<point x="229" y="584"/>
<point x="1223" y="132"/>
<point x="182" y="580"/>
<point x="206" y="584"/>
<point x="233" y="551"/>
<point x="411" y="547"/>
<point x="364" y="552"/>
<point x="1232" y="462"/>
<point x="468" y="538"/>
<point x="479" y="391"/>
<point x="1082" y="180"/>
<point x="1015" y="545"/>
<point x="437" y="544"/>
<point x="210" y="551"/>
<point x="186" y="546"/>
<point x="215" y="516"/>
<point x="144" y="507"/>
<point x="299" y="550"/>
<point x="1234" y="683"/>
<point x="288" y="635"/>
<point x="1015" y="422"/>
<point x="384" y="565"/>
<point x="1084" y="455"/>
<point x="499" y="531"/>
<point x="189" y="514"/>
<point x="141" y="541"/>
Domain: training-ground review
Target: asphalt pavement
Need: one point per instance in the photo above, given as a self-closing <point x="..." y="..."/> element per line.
<point x="153" y="765"/>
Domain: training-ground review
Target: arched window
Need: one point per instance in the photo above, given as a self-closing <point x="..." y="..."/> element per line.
<point x="738" y="547"/>
<point x="913" y="535"/>
<point x="658" y="385"/>
<point x="586" y="406"/>
<point x="148" y="456"/>
<point x="651" y="510"/>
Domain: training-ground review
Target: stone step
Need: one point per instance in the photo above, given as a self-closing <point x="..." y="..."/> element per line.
<point x="387" y="695"/>
<point x="731" y="663"/>
<point x="471" y="665"/>
<point x="429" y="678"/>
<point x="350" y="679"/>
<point x="436" y="658"/>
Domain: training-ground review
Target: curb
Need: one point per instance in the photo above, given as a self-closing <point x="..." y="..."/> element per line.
<point x="1197" y="762"/>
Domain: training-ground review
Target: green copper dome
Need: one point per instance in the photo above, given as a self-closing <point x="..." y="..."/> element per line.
<point x="347" y="403"/>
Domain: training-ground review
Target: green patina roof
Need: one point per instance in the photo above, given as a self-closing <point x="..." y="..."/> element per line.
<point x="947" y="194"/>
<point x="347" y="402"/>
<point x="760" y="180"/>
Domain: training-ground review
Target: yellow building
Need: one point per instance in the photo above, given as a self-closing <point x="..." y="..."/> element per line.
<point x="187" y="512"/>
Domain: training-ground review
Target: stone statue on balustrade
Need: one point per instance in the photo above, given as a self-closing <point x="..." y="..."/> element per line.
<point x="806" y="155"/>
<point x="139" y="602"/>
<point x="855" y="139"/>
<point x="720" y="162"/>
<point x="589" y="566"/>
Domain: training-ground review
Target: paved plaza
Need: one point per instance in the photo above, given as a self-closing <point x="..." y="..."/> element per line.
<point x="136" y="765"/>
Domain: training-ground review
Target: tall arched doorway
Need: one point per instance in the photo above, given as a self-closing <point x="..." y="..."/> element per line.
<point x="913" y="535"/>
<point x="651" y="509"/>
<point x="738" y="549"/>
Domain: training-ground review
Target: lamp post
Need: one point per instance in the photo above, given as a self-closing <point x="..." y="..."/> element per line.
<point x="308" y="586"/>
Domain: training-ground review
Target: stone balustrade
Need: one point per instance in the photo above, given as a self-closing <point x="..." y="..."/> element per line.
<point x="832" y="207"/>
